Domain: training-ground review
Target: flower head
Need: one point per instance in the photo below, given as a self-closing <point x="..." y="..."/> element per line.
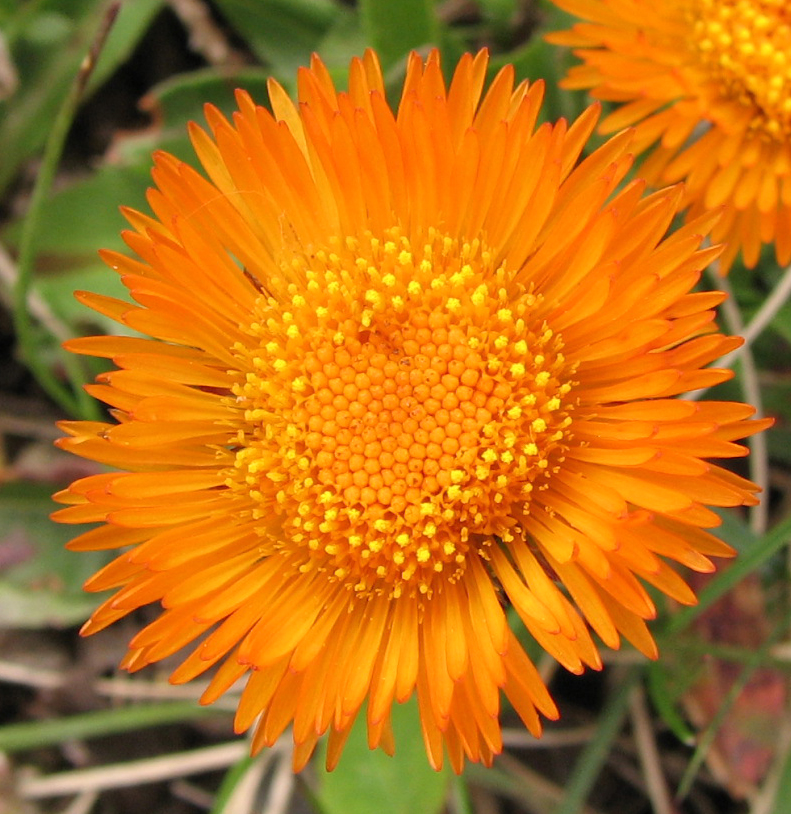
<point x="403" y="369"/>
<point x="707" y="84"/>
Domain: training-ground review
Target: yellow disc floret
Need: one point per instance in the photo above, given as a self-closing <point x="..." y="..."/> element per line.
<point x="403" y="399"/>
<point x="745" y="46"/>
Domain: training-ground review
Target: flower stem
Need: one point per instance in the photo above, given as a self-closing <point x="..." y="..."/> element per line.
<point x="759" y="451"/>
<point x="765" y="314"/>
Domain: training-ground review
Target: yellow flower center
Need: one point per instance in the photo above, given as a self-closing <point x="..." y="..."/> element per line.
<point x="745" y="45"/>
<point x="401" y="403"/>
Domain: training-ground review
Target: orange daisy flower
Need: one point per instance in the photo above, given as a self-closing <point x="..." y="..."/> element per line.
<point x="404" y="368"/>
<point x="708" y="84"/>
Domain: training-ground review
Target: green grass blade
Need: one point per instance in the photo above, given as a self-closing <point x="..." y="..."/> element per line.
<point x="74" y="400"/>
<point x="664" y="703"/>
<point x="19" y="737"/>
<point x="750" y="560"/>
<point x="232" y="778"/>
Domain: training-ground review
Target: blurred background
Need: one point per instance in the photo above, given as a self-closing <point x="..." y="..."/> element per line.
<point x="704" y="730"/>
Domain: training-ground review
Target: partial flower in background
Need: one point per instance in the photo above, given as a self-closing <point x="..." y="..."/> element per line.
<point x="403" y="369"/>
<point x="707" y="85"/>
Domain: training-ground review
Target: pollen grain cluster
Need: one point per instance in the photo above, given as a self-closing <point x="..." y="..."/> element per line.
<point x="403" y="404"/>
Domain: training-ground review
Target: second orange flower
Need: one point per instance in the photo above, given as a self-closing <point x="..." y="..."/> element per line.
<point x="707" y="84"/>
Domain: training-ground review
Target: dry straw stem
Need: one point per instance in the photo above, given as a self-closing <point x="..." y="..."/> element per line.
<point x="767" y="801"/>
<point x="13" y="672"/>
<point x="281" y="788"/>
<point x="245" y="793"/>
<point x="82" y="803"/>
<point x="41" y="429"/>
<point x="763" y="317"/>
<point x="205" y="36"/>
<point x="759" y="452"/>
<point x="135" y="772"/>
<point x="647" y="749"/>
<point x="759" y="458"/>
<point x="551" y="739"/>
<point x="37" y="305"/>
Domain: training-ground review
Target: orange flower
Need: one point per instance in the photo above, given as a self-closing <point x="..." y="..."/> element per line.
<point x="403" y="368"/>
<point x="707" y="84"/>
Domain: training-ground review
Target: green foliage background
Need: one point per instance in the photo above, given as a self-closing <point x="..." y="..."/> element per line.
<point x="54" y="237"/>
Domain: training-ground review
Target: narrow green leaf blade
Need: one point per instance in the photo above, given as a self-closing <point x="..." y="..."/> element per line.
<point x="47" y="51"/>
<point x="749" y="560"/>
<point x="98" y="723"/>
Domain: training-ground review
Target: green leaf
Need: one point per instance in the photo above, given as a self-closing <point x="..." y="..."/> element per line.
<point x="76" y="223"/>
<point x="40" y="581"/>
<point x="47" y="49"/>
<point x="342" y="41"/>
<point x="538" y="59"/>
<point x="395" y="28"/>
<point x="83" y="218"/>
<point x="499" y="13"/>
<point x="282" y="33"/>
<point x="367" y="782"/>
<point x="58" y="291"/>
<point x="779" y="443"/>
<point x="735" y="531"/>
<point x="782" y="790"/>
<point x="180" y="99"/>
<point x="7" y="9"/>
<point x="782" y="322"/>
